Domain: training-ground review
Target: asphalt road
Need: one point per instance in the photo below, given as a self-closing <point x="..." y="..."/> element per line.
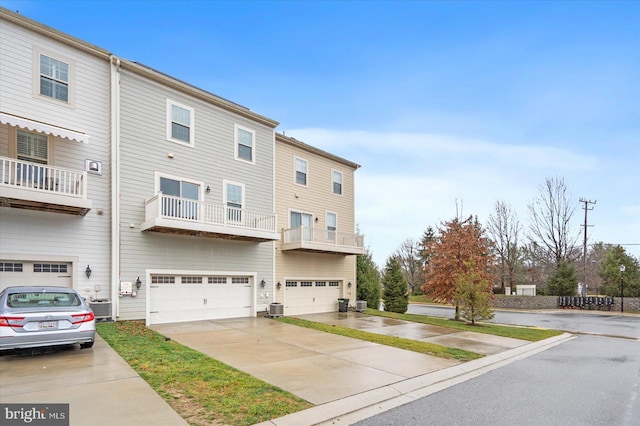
<point x="573" y="321"/>
<point x="593" y="379"/>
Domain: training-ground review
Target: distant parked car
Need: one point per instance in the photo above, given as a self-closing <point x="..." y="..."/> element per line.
<point x="44" y="316"/>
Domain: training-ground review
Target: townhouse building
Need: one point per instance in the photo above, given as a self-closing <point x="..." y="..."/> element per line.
<point x="315" y="258"/>
<point x="158" y="200"/>
<point x="197" y="211"/>
<point x="55" y="138"/>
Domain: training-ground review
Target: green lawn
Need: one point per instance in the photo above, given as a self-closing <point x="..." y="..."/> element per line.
<point x="202" y="390"/>
<point x="532" y="334"/>
<point x="396" y="342"/>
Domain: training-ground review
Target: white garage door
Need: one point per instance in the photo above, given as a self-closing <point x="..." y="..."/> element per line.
<point x="177" y="298"/>
<point x="14" y="272"/>
<point x="310" y="297"/>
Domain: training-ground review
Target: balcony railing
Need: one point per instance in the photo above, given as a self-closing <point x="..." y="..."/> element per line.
<point x="42" y="187"/>
<point x="306" y="238"/>
<point x="165" y="213"/>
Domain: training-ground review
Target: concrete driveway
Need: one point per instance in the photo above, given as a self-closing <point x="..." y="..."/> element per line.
<point x="322" y="367"/>
<point x="99" y="386"/>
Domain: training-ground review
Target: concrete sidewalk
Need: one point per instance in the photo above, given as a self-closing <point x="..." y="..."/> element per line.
<point x="347" y="379"/>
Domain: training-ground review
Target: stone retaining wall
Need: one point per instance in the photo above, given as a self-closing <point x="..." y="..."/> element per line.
<point x="631" y="304"/>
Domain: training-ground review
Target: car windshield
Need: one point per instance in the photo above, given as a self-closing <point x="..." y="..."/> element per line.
<point x="42" y="299"/>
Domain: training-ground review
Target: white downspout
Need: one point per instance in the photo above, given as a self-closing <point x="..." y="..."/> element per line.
<point x="115" y="185"/>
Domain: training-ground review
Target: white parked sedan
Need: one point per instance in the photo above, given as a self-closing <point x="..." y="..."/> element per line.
<point x="44" y="316"/>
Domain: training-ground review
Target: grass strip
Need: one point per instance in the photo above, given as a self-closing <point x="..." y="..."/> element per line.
<point x="532" y="334"/>
<point x="397" y="342"/>
<point x="202" y="390"/>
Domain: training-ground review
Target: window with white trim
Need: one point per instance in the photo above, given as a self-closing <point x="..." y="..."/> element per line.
<point x="180" y="123"/>
<point x="244" y="144"/>
<point x="32" y="147"/>
<point x="191" y="280"/>
<point x="301" y="171"/>
<point x="54" y="78"/>
<point x="217" y="280"/>
<point x="332" y="225"/>
<point x="180" y="196"/>
<point x="336" y="178"/>
<point x="234" y="199"/>
<point x="239" y="280"/>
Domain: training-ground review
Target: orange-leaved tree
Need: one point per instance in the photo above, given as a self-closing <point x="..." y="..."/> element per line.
<point x="459" y="248"/>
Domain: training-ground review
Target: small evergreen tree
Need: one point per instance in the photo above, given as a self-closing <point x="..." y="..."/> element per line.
<point x="396" y="294"/>
<point x="368" y="278"/>
<point x="564" y="281"/>
<point x="474" y="294"/>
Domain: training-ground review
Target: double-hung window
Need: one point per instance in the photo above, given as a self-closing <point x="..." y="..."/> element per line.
<point x="54" y="78"/>
<point x="180" y="123"/>
<point x="301" y="171"/>
<point x="336" y="178"/>
<point x="245" y="144"/>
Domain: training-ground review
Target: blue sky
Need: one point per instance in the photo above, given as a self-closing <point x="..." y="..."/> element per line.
<point x="441" y="102"/>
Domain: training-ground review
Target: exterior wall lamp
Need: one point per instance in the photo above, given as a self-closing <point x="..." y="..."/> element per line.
<point x="278" y="285"/>
<point x="349" y="284"/>
<point x="88" y="272"/>
<point x="138" y="283"/>
<point x="262" y="283"/>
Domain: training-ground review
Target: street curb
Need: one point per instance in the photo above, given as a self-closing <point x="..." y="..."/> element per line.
<point x="354" y="408"/>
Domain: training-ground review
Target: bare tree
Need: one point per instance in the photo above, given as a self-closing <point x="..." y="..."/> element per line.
<point x="410" y="261"/>
<point x="504" y="229"/>
<point x="550" y="221"/>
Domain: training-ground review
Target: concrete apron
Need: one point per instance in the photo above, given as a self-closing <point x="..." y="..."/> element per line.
<point x="336" y="373"/>
<point x="99" y="386"/>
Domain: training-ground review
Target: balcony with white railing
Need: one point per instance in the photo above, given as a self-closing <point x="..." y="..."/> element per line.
<point x="175" y="215"/>
<point x="321" y="240"/>
<point x="34" y="186"/>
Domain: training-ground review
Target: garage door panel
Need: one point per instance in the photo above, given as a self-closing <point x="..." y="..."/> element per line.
<point x="305" y="299"/>
<point x="193" y="302"/>
<point x="23" y="272"/>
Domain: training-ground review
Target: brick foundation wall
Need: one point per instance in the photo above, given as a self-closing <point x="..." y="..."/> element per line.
<point x="631" y="304"/>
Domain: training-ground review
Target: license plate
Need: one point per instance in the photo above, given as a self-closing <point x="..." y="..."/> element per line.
<point x="47" y="324"/>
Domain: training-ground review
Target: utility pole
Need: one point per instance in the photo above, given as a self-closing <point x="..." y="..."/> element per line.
<point x="586" y="209"/>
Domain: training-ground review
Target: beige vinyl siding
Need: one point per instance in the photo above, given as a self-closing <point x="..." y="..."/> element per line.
<point x="316" y="198"/>
<point x="42" y="234"/>
<point x="144" y="150"/>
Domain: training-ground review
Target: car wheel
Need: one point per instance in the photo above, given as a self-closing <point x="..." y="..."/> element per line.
<point x="86" y="345"/>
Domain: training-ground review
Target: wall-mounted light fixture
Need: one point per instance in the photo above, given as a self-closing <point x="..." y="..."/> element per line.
<point x="138" y="283"/>
<point x="208" y="189"/>
<point x="279" y="285"/>
<point x="262" y="283"/>
<point x="349" y="284"/>
<point x="88" y="271"/>
<point x="316" y="219"/>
